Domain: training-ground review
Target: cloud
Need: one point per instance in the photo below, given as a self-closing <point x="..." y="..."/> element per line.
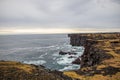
<point x="60" y="13"/>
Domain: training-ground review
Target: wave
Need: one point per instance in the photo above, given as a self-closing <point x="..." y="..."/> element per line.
<point x="67" y="59"/>
<point x="42" y="56"/>
<point x="70" y="67"/>
<point x="38" y="62"/>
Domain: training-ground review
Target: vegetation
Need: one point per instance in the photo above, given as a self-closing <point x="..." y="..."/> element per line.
<point x="11" y="70"/>
<point x="106" y="47"/>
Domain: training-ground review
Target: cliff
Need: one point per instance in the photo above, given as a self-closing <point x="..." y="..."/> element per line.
<point x="101" y="57"/>
<point x="11" y="70"/>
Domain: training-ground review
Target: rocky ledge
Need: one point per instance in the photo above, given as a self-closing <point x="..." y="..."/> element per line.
<point x="101" y="57"/>
<point x="11" y="70"/>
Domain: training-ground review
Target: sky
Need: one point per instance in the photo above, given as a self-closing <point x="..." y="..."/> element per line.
<point x="59" y="16"/>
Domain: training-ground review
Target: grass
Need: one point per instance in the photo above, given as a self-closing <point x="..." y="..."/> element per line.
<point x="108" y="69"/>
<point x="73" y="74"/>
<point x="12" y="64"/>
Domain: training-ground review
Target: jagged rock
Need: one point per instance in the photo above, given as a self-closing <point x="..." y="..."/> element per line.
<point x="64" y="53"/>
<point x="71" y="57"/>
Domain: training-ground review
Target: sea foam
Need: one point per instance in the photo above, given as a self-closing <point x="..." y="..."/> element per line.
<point x="38" y="62"/>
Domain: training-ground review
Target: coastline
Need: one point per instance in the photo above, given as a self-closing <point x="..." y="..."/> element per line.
<point x="101" y="58"/>
<point x="100" y="61"/>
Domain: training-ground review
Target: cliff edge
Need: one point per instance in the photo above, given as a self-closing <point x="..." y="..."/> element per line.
<point x="101" y="57"/>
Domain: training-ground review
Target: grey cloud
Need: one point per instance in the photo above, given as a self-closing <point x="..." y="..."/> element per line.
<point x="117" y="1"/>
<point x="62" y="13"/>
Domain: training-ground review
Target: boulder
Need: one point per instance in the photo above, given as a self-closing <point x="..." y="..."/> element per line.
<point x="64" y="53"/>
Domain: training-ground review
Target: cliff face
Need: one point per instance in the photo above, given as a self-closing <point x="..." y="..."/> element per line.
<point x="95" y="44"/>
<point x="101" y="55"/>
<point x="80" y="39"/>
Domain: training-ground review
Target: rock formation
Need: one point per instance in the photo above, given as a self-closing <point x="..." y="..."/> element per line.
<point x="101" y="57"/>
<point x="64" y="53"/>
<point x="93" y="43"/>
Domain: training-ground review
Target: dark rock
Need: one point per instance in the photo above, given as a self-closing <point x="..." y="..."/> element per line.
<point x="93" y="55"/>
<point x="77" y="61"/>
<point x="64" y="53"/>
<point x="72" y="53"/>
<point x="71" y="57"/>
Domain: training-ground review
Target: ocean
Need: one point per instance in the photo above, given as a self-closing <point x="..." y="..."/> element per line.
<point x="40" y="49"/>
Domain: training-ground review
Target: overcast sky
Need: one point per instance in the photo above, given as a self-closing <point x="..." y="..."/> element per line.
<point x="62" y="16"/>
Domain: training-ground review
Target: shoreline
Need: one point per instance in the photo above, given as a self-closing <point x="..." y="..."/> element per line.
<point x="100" y="61"/>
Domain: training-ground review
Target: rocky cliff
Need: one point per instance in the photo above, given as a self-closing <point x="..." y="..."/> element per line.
<point x="95" y="44"/>
<point x="101" y="55"/>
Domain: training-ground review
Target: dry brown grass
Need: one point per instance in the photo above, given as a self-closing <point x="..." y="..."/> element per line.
<point x="10" y="70"/>
<point x="13" y="64"/>
<point x="108" y="69"/>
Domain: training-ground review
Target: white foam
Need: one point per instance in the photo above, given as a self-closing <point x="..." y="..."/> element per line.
<point x="55" y="54"/>
<point x="70" y="67"/>
<point x="65" y="60"/>
<point x="77" y="48"/>
<point x="42" y="56"/>
<point x="38" y="62"/>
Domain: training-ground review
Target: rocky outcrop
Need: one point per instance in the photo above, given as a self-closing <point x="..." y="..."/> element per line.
<point x="80" y="39"/>
<point x="101" y="57"/>
<point x="95" y="44"/>
<point x="11" y="70"/>
<point x="64" y="53"/>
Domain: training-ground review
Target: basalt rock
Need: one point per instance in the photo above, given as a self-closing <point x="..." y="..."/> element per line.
<point x="101" y="57"/>
<point x="72" y="57"/>
<point x="64" y="53"/>
<point x="94" y="52"/>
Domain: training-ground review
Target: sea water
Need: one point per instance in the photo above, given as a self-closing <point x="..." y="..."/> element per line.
<point x="40" y="49"/>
